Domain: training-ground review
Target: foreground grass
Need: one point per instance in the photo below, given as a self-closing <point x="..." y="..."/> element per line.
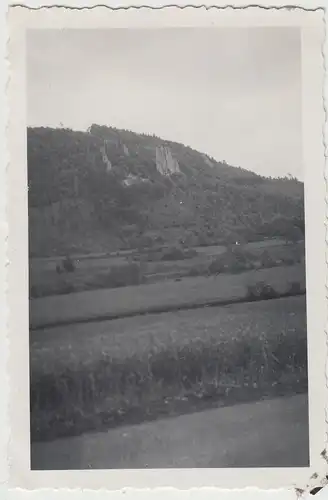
<point x="124" y="371"/>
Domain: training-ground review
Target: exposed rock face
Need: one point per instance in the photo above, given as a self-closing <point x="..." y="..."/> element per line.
<point x="120" y="146"/>
<point x="133" y="179"/>
<point x="105" y="158"/>
<point x="126" y="150"/>
<point x="165" y="163"/>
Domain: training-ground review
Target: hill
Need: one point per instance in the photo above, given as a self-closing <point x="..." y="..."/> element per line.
<point x="107" y="189"/>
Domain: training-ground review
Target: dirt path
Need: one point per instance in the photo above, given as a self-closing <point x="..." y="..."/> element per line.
<point x="272" y="433"/>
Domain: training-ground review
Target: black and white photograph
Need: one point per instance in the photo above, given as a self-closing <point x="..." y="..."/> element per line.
<point x="166" y="249"/>
<point x="167" y="207"/>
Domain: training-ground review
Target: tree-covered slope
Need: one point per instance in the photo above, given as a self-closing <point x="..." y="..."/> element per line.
<point x="107" y="188"/>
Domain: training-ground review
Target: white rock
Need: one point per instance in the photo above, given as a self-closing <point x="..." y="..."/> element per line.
<point x="166" y="164"/>
<point x="105" y="159"/>
<point x="133" y="179"/>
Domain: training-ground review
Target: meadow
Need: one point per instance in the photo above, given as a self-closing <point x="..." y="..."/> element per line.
<point x="93" y="376"/>
<point x="159" y="297"/>
<point x="149" y="334"/>
<point x="148" y="266"/>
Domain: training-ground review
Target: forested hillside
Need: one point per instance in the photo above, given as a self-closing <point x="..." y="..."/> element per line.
<point x="108" y="189"/>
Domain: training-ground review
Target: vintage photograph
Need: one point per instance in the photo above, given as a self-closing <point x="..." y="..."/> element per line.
<point x="167" y="288"/>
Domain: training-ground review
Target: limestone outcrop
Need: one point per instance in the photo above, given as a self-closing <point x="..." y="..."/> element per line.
<point x="133" y="179"/>
<point x="105" y="158"/>
<point x="166" y="164"/>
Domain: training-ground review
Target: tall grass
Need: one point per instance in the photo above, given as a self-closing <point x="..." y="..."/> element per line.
<point x="108" y="391"/>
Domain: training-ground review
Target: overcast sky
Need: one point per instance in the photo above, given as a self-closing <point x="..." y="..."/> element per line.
<point x="233" y="93"/>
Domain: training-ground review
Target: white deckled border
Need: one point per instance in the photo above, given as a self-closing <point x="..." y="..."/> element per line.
<point x="183" y="479"/>
<point x="158" y="4"/>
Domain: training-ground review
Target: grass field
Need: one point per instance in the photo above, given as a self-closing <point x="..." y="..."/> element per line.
<point x="190" y="291"/>
<point x="86" y="377"/>
<point x="95" y="272"/>
<point x="68" y="346"/>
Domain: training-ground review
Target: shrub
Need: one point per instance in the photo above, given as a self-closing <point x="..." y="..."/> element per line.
<point x="234" y="260"/>
<point x="260" y="291"/>
<point x="173" y="253"/>
<point x="216" y="266"/>
<point x="68" y="265"/>
<point x="266" y="260"/>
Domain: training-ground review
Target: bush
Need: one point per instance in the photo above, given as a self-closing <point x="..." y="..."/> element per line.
<point x="266" y="260"/>
<point x="68" y="265"/>
<point x="234" y="260"/>
<point x="216" y="266"/>
<point x="261" y="291"/>
<point x="173" y="253"/>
